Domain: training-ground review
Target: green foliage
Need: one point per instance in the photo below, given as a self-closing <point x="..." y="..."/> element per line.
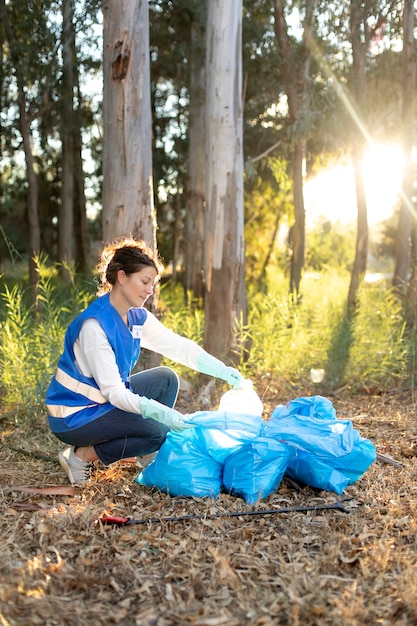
<point x="289" y="340"/>
<point x="268" y="206"/>
<point x="381" y="347"/>
<point x="31" y="339"/>
<point x="282" y="340"/>
<point x="184" y="318"/>
<point x="35" y="56"/>
<point x="330" y="245"/>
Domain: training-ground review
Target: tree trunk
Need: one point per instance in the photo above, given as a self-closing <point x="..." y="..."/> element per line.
<point x="408" y="126"/>
<point x="128" y="204"/>
<point x="194" y="219"/>
<point x="263" y="273"/>
<point x="412" y="289"/>
<point x="359" y="264"/>
<point x="66" y="209"/>
<point x="295" y="80"/>
<point x="298" y="230"/>
<point x="403" y="247"/>
<point x="225" y="302"/>
<point x="2" y="73"/>
<point x="82" y="242"/>
<point x="33" y="212"/>
<point x="80" y="212"/>
<point x="359" y="49"/>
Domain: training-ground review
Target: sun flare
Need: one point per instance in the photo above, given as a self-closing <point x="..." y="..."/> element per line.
<point x="331" y="194"/>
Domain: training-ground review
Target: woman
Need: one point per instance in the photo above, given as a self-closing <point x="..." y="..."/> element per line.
<point x="93" y="403"/>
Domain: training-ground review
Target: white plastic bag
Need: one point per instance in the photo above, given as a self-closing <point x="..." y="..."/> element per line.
<point x="243" y="400"/>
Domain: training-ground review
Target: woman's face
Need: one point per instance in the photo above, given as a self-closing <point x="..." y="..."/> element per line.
<point x="136" y="288"/>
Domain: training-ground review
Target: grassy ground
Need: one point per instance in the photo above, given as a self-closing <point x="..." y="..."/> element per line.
<point x="59" y="567"/>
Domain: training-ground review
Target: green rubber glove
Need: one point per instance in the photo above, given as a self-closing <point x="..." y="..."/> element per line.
<point x="208" y="364"/>
<point x="163" y="414"/>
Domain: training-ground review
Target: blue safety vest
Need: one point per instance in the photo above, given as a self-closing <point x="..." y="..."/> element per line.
<point x="72" y="399"/>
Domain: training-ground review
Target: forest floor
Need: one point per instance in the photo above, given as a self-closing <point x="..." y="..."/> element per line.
<point x="59" y="566"/>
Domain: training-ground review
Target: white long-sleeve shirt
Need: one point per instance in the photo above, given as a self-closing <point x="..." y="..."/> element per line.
<point x="95" y="357"/>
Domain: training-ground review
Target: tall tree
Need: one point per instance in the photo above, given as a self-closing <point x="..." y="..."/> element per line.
<point x="1" y="140"/>
<point x="225" y="301"/>
<point x="72" y="222"/>
<point x="407" y="217"/>
<point x="66" y="209"/>
<point x="25" y="129"/>
<point x="194" y="218"/>
<point x="82" y="243"/>
<point x="296" y="76"/>
<point x="56" y="113"/>
<point x="360" y="36"/>
<point x="128" y="205"/>
<point x="408" y="133"/>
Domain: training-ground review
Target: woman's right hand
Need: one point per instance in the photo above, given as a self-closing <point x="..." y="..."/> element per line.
<point x="171" y="418"/>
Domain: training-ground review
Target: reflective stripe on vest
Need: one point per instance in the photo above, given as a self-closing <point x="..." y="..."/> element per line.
<point x="78" y="387"/>
<point x="56" y="410"/>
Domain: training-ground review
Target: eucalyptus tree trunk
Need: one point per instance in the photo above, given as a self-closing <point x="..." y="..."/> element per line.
<point x="24" y="123"/>
<point x="407" y="217"/>
<point x="128" y="205"/>
<point x="1" y="142"/>
<point x="194" y="218"/>
<point x="298" y="230"/>
<point x="359" y="51"/>
<point x="81" y="236"/>
<point x="408" y="208"/>
<point x="80" y="212"/>
<point x="225" y="301"/>
<point x="66" y="208"/>
<point x="295" y="79"/>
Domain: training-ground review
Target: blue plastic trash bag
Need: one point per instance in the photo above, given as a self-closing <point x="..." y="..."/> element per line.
<point x="326" y="453"/>
<point x="248" y="457"/>
<point x="243" y="424"/>
<point x="256" y="469"/>
<point x="315" y="472"/>
<point x="312" y="406"/>
<point x="190" y="463"/>
<point x="316" y="435"/>
<point x="355" y="463"/>
<point x="220" y="443"/>
<point x="183" y="467"/>
<point x="328" y="472"/>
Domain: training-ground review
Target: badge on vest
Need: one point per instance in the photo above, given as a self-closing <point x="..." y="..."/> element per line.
<point x="137" y="331"/>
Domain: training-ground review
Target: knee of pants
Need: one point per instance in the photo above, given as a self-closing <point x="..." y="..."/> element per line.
<point x="159" y="383"/>
<point x="158" y="438"/>
<point x="170" y="375"/>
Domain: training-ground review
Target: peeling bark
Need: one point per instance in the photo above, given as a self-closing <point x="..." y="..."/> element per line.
<point x="128" y="204"/>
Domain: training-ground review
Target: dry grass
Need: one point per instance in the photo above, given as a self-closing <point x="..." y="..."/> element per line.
<point x="58" y="567"/>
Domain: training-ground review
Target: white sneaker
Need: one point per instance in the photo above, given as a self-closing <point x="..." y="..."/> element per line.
<point x="144" y="461"/>
<point x="79" y="472"/>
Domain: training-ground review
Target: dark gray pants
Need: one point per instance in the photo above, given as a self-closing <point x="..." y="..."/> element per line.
<point x="118" y="434"/>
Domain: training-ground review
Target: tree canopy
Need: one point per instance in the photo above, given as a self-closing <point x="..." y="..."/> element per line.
<point x="322" y="114"/>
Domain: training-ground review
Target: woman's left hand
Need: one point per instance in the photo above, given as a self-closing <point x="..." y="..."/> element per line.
<point x="232" y="376"/>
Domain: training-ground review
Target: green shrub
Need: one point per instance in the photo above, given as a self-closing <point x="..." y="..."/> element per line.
<point x="330" y="245"/>
<point x="287" y="340"/>
<point x="290" y="339"/>
<point x="380" y="346"/>
<point x="184" y="318"/>
<point x="31" y="338"/>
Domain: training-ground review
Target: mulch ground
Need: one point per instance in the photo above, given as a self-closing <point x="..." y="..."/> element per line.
<point x="58" y="566"/>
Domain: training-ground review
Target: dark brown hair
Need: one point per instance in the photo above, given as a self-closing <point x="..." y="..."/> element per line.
<point x="127" y="254"/>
